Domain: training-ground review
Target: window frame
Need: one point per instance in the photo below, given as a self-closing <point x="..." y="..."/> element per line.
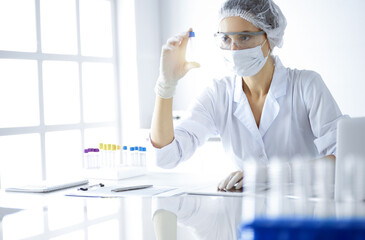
<point x="39" y="56"/>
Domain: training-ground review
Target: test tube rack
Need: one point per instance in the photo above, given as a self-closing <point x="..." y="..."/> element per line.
<point x="114" y="162"/>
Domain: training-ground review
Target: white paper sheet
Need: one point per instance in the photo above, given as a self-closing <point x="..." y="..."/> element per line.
<point x="105" y="192"/>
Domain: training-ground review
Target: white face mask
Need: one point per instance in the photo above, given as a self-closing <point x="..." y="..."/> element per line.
<point x="246" y="62"/>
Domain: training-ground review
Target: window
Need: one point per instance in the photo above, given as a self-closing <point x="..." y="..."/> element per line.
<point x="59" y="86"/>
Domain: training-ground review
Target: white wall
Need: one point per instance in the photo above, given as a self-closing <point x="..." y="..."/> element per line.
<point x="325" y="36"/>
<point x="148" y="36"/>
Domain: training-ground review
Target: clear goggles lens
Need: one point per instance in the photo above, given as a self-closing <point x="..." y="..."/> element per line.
<point x="242" y="40"/>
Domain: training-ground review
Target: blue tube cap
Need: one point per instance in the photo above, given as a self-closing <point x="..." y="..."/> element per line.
<point x="191" y="34"/>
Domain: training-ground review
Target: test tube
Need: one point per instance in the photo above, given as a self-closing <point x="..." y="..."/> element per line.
<point x="139" y="158"/>
<point x="301" y="177"/>
<point x="101" y="154"/>
<point x="136" y="155"/>
<point x="90" y="157"/>
<point x="109" y="155"/>
<point x="86" y="160"/>
<point x="113" y="156"/>
<point x="125" y="155"/>
<point x="278" y="178"/>
<point x="190" y="48"/>
<point x="97" y="158"/>
<point x="359" y="179"/>
<point x="143" y="157"/>
<point x="131" y="156"/>
<point x="118" y="156"/>
<point x="105" y="155"/>
<point x="354" y="180"/>
<point x="324" y="178"/>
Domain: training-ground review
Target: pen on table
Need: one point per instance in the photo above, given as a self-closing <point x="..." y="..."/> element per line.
<point x="129" y="188"/>
<point x="88" y="187"/>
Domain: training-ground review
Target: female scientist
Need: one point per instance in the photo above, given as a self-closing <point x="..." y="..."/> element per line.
<point x="262" y="111"/>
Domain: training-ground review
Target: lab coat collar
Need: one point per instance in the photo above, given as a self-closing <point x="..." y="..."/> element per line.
<point x="244" y="114"/>
<point x="271" y="107"/>
<point x="277" y="87"/>
<point x="279" y="80"/>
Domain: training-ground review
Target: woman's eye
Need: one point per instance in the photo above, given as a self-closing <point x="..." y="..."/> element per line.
<point x="244" y="38"/>
<point x="225" y="39"/>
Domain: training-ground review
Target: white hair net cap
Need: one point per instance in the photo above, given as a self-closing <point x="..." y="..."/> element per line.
<point x="263" y="14"/>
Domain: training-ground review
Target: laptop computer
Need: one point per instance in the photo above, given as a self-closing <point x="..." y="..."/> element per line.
<point x="350" y="157"/>
<point x="48" y="186"/>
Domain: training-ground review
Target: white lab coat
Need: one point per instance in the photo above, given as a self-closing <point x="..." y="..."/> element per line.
<point x="299" y="118"/>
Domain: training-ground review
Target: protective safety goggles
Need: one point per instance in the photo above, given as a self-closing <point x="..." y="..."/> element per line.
<point x="242" y="40"/>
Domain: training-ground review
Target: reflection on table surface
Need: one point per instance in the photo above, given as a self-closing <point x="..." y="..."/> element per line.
<point x="198" y="217"/>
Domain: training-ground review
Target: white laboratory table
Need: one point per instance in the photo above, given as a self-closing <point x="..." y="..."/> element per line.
<point x="55" y="216"/>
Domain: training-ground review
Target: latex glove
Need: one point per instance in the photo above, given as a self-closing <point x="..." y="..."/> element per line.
<point x="173" y="65"/>
<point x="234" y="179"/>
